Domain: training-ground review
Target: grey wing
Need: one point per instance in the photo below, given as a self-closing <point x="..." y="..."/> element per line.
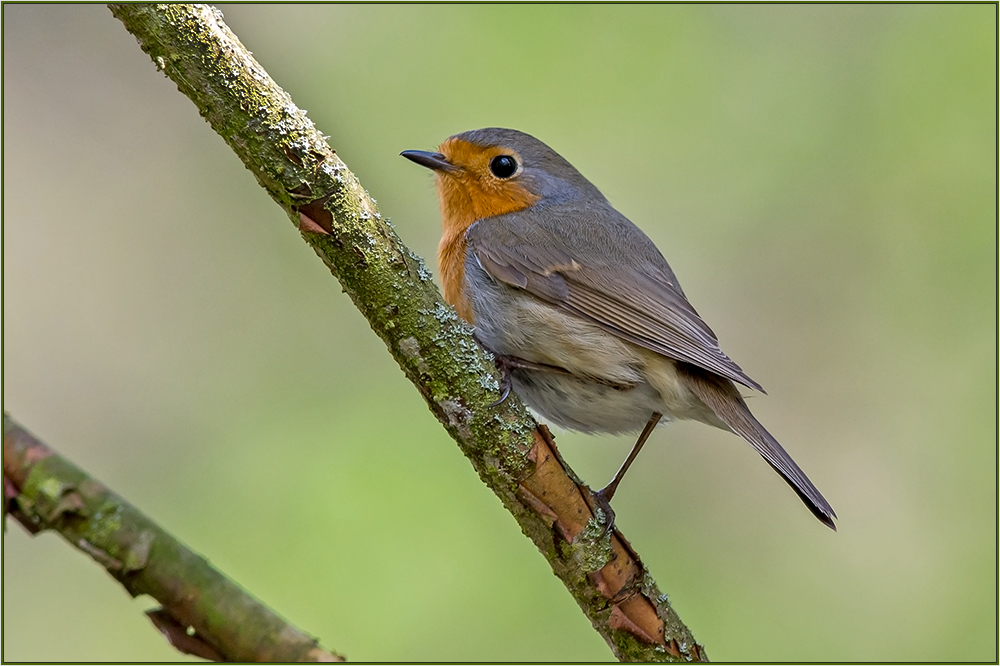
<point x="644" y="306"/>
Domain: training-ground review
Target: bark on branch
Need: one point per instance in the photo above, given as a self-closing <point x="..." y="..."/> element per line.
<point x="515" y="457"/>
<point x="47" y="492"/>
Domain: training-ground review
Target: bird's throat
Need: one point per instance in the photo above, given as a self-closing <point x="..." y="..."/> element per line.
<point x="469" y="193"/>
<point x="451" y="261"/>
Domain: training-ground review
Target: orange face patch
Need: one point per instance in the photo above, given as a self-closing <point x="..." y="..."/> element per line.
<point x="468" y="194"/>
<point x="472" y="192"/>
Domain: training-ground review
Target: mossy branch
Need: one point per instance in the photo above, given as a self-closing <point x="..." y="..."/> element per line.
<point x="47" y="492"/>
<point x="391" y="286"/>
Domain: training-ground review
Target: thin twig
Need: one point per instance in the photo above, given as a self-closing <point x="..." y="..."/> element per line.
<point x="203" y="612"/>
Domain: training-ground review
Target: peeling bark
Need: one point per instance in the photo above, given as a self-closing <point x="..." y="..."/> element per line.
<point x="435" y="349"/>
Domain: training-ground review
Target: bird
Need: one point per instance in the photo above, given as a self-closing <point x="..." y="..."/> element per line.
<point x="585" y="317"/>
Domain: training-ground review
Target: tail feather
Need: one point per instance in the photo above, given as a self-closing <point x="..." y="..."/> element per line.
<point x="725" y="400"/>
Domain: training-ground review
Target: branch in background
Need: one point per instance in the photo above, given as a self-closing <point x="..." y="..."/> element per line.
<point x="204" y="613"/>
<point x="435" y="349"/>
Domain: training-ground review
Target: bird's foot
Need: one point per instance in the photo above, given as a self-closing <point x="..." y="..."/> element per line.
<point x="507" y="364"/>
<point x="505" y="382"/>
<point x="602" y="503"/>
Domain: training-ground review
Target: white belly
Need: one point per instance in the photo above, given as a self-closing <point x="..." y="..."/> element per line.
<point x="613" y="385"/>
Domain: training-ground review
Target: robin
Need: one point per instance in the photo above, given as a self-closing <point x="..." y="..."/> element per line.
<point x="583" y="313"/>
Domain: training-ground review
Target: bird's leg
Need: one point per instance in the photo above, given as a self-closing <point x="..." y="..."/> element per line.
<point x="603" y="496"/>
<point x="505" y="384"/>
<point x="507" y="364"/>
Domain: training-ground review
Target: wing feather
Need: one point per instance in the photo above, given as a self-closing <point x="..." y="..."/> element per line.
<point x="642" y="305"/>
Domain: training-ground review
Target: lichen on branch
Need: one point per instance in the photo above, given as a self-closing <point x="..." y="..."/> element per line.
<point x="436" y="350"/>
<point x="203" y="612"/>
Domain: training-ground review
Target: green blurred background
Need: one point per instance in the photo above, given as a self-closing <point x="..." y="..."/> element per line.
<point x="821" y="178"/>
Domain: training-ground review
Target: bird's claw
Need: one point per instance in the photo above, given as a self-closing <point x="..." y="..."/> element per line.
<point x="507" y="364"/>
<point x="505" y="383"/>
<point x="602" y="502"/>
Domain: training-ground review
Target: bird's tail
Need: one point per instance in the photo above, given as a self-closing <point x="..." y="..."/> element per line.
<point x="725" y="400"/>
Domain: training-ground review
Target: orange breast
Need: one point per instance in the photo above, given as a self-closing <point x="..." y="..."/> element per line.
<point x="469" y="194"/>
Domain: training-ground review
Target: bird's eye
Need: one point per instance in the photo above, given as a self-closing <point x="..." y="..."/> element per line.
<point x="503" y="166"/>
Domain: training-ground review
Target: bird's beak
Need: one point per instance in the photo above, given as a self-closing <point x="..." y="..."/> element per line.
<point x="435" y="161"/>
